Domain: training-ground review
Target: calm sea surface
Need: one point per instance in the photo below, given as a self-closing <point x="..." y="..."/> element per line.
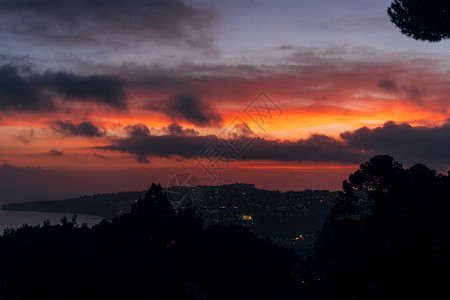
<point x="15" y="219"/>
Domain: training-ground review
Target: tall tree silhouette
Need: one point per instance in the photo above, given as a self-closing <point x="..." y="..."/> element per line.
<point x="425" y="20"/>
<point x="399" y="249"/>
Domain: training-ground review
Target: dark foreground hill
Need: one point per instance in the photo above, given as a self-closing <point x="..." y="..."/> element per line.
<point x="290" y="219"/>
<point x="107" y="205"/>
<point x="153" y="252"/>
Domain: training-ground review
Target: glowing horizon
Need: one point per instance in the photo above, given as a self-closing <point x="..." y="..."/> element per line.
<point x="149" y="97"/>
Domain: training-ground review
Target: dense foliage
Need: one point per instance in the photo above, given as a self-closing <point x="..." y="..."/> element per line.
<point x="154" y="252"/>
<point x="426" y="20"/>
<point x="399" y="249"/>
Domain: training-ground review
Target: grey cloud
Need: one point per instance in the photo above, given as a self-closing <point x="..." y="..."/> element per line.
<point x="315" y="148"/>
<point x="22" y="93"/>
<point x="177" y="129"/>
<point x="429" y="145"/>
<point x="102" y="89"/>
<point x="33" y="92"/>
<point x="84" y="129"/>
<point x="162" y="146"/>
<point x="137" y="130"/>
<point x="187" y="107"/>
<point x="116" y="21"/>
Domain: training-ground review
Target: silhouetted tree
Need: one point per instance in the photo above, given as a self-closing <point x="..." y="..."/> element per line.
<point x="346" y="203"/>
<point x="426" y="20"/>
<point x="156" y="251"/>
<point x="398" y="251"/>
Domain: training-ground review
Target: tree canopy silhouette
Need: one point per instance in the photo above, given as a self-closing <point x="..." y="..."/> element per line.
<point x="397" y="249"/>
<point x="154" y="252"/>
<point x="425" y="20"/>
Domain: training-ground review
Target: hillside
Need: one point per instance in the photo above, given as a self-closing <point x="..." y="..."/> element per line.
<point x="106" y="205"/>
<point x="290" y="219"/>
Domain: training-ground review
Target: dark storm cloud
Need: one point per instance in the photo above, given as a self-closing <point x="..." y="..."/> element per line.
<point x="22" y="93"/>
<point x="84" y="129"/>
<point x="32" y="92"/>
<point x="315" y="148"/>
<point x="187" y="107"/>
<point x="107" y="90"/>
<point x="177" y="129"/>
<point x="137" y="130"/>
<point x="429" y="145"/>
<point x="162" y="146"/>
<point x="91" y="21"/>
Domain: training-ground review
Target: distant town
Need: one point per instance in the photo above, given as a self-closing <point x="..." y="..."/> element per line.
<point x="289" y="219"/>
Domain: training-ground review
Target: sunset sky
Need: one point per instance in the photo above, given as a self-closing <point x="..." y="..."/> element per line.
<point x="108" y="96"/>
